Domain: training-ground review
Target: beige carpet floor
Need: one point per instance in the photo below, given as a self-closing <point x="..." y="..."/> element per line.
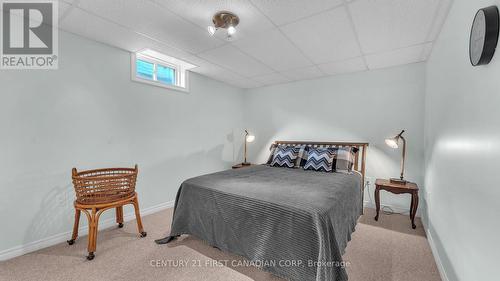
<point x="385" y="250"/>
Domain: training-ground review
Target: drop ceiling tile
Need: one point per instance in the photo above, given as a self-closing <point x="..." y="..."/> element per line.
<point x="154" y="21"/>
<point x="200" y="12"/>
<point x="397" y="57"/>
<point x="441" y="15"/>
<point x="93" y="27"/>
<point x="303" y="73"/>
<point x="384" y="25"/>
<point x="223" y="75"/>
<point x="294" y="9"/>
<point x="216" y="72"/>
<point x="272" y="78"/>
<point x="325" y="37"/>
<point x="90" y="26"/>
<point x="131" y="14"/>
<point x="274" y="49"/>
<point x="233" y="59"/>
<point x="346" y="66"/>
<point x="245" y="83"/>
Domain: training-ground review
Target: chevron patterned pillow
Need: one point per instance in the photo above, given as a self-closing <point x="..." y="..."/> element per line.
<point x="320" y="159"/>
<point x="285" y="156"/>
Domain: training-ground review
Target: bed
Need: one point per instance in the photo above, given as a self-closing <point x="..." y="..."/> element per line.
<point x="291" y="222"/>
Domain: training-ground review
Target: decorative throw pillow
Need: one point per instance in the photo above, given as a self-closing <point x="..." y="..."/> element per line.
<point x="285" y="156"/>
<point x="302" y="157"/>
<point x="343" y="158"/>
<point x="272" y="149"/>
<point x="320" y="159"/>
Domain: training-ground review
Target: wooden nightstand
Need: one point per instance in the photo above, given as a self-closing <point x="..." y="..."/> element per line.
<point x="397" y="188"/>
<point x="237" y="166"/>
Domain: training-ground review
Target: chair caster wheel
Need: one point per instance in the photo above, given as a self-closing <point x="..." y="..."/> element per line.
<point x="144" y="234"/>
<point x="91" y="256"/>
<point x="71" y="242"/>
<point x="120" y="225"/>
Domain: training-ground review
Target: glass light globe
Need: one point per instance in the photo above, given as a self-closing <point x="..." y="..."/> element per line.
<point x="211" y="30"/>
<point x="231" y="30"/>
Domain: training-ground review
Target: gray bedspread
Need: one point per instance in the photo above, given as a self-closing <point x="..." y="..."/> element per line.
<point x="290" y="222"/>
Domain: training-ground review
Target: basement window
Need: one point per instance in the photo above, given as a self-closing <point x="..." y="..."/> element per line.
<point x="154" y="68"/>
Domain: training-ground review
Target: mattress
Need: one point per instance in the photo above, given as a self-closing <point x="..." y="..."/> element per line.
<point x="290" y="222"/>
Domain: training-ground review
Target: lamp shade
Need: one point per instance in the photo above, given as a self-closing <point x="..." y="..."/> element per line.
<point x="250" y="138"/>
<point x="392" y="142"/>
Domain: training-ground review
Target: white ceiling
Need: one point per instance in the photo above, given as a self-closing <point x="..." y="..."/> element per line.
<point x="277" y="41"/>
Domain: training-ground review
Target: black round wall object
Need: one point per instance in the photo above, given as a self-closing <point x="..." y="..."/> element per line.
<point x="484" y="36"/>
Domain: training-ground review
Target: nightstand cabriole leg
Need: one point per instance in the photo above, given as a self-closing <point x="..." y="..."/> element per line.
<point x="415" y="207"/>
<point x="412" y="205"/>
<point x="377" y="201"/>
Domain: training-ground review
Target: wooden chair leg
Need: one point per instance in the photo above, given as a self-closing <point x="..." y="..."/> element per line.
<point x="75" y="227"/>
<point x="119" y="216"/>
<point x="93" y="223"/>
<point x="138" y="218"/>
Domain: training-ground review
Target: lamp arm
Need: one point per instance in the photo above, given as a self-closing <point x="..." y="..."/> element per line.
<point x="400" y="134"/>
<point x="403" y="156"/>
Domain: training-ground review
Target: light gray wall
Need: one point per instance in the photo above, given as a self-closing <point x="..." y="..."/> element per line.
<point x="90" y="114"/>
<point x="367" y="106"/>
<point x="462" y="145"/>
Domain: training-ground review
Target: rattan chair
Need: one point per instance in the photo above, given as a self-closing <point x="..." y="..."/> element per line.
<point x="100" y="190"/>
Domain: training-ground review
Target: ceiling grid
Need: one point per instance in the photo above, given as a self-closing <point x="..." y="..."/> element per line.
<point x="276" y="41"/>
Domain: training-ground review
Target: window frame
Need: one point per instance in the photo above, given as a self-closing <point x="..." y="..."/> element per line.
<point x="177" y="69"/>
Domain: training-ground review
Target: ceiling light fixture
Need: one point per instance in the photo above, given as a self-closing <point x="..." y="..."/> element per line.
<point x="226" y="20"/>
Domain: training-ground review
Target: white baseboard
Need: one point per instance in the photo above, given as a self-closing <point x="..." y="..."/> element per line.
<point x="62" y="237"/>
<point x="425" y="223"/>
<point x="437" y="258"/>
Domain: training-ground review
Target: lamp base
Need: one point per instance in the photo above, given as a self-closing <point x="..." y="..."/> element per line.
<point x="398" y="181"/>
<point x="246" y="163"/>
